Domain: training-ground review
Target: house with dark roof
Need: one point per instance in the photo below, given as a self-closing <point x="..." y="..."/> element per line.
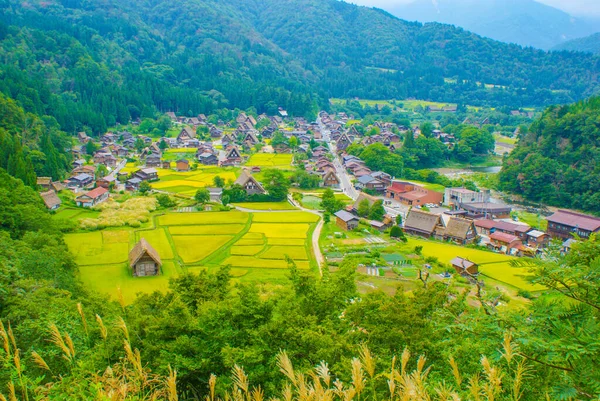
<point x="422" y="224"/>
<point x="144" y="260"/>
<point x="487" y="210"/>
<point x="208" y="158"/>
<point x="346" y="220"/>
<point x="330" y="179"/>
<point x="369" y="182"/>
<point x="249" y="183"/>
<point x="93" y="197"/>
<point x="80" y="180"/>
<point x="147" y="174"/>
<point x="153" y="160"/>
<point x="564" y="223"/>
<point x="186" y="134"/>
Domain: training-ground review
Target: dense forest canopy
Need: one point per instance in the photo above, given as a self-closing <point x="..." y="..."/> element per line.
<point x="556" y="161"/>
<point x="92" y="64"/>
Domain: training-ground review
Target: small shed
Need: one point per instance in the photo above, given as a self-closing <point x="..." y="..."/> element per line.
<point x="183" y="165"/>
<point x="346" y="220"/>
<point x="464" y="266"/>
<point x="144" y="260"/>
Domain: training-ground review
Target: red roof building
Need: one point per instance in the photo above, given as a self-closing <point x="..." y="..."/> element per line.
<point x="411" y="194"/>
<point x="564" y="223"/>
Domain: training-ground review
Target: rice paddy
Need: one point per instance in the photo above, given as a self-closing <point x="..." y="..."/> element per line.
<point x="188" y="182"/>
<point x="271" y="160"/>
<point x="254" y="245"/>
<point x="494" y="265"/>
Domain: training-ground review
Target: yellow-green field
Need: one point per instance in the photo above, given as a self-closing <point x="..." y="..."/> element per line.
<point x="266" y="205"/>
<point x="271" y="160"/>
<point x="409" y="104"/>
<point x="255" y="245"/>
<point x="188" y="182"/>
<point x="494" y="265"/>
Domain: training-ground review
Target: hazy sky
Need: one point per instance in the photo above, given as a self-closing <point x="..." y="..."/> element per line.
<point x="573" y="7"/>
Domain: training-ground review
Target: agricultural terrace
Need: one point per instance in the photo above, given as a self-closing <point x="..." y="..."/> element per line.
<point x="255" y="245"/>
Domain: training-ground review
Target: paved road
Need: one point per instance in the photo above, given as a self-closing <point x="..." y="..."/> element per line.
<point x="118" y="168"/>
<point x="342" y="173"/>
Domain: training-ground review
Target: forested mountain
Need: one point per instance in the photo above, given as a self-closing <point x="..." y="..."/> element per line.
<point x="556" y="161"/>
<point x="589" y="44"/>
<point x="524" y="22"/>
<point x="94" y="63"/>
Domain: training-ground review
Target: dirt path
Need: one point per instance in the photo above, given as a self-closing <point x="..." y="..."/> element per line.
<point x="316" y="233"/>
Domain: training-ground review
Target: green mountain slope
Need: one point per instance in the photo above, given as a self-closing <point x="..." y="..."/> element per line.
<point x="589" y="44"/>
<point x="97" y="62"/>
<point x="557" y="161"/>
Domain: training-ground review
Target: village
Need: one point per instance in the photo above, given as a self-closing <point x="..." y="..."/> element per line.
<point x="223" y="157"/>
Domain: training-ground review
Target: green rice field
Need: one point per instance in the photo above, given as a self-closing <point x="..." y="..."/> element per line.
<point x="254" y="245"/>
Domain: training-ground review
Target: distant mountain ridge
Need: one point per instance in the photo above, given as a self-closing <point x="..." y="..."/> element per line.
<point x="588" y="44"/>
<point x="524" y="22"/>
<point x="94" y="63"/>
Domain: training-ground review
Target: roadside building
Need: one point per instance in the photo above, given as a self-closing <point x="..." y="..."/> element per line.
<point x="412" y="194"/>
<point x="564" y="223"/>
<point x="454" y="197"/>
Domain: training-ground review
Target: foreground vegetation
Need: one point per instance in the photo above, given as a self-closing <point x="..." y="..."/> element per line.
<point x="203" y="324"/>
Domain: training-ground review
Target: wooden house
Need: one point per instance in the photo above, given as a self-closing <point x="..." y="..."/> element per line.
<point x="165" y="164"/>
<point x="538" y="239"/>
<point x="422" y="224"/>
<point x="147" y="174"/>
<point x="564" y="223"/>
<point x="153" y="160"/>
<point x="186" y="134"/>
<point x="330" y="179"/>
<point x="464" y="267"/>
<point x="233" y="155"/>
<point x="343" y="142"/>
<point x="182" y="165"/>
<point x="460" y="231"/>
<point x="80" y="180"/>
<point x="144" y="260"/>
<point x="93" y="197"/>
<point x="249" y="183"/>
<point x="208" y="159"/>
<point x="346" y="221"/>
<point x="44" y="182"/>
<point x="412" y="195"/>
<point x="506" y="243"/>
<point x="51" y="200"/>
